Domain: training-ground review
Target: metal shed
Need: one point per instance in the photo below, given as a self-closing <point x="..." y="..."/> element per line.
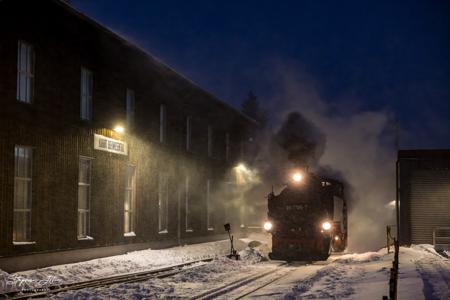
<point x="424" y="195"/>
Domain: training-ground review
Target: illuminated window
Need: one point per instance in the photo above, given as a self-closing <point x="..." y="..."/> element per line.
<point x="163" y="202"/>
<point x="209" y="206"/>
<point x="84" y="197"/>
<point x="189" y="133"/>
<point x="22" y="194"/>
<point x="187" y="205"/>
<point x="86" y="94"/>
<point x="210" y="141"/>
<point x="130" y="200"/>
<point x="25" y="72"/>
<point x="130" y="108"/>
<point x="162" y="123"/>
<point x="227" y="146"/>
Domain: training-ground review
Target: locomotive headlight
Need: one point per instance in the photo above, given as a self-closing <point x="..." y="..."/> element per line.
<point x="326" y="225"/>
<point x="267" y="226"/>
<point x="297" y="177"/>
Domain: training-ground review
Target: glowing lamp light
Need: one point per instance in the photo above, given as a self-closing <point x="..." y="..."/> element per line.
<point x="336" y="238"/>
<point x="119" y="129"/>
<point x="297" y="177"/>
<point x="326" y="225"/>
<point x="267" y="226"/>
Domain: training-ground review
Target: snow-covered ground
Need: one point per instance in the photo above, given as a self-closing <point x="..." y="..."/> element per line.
<point x="424" y="274"/>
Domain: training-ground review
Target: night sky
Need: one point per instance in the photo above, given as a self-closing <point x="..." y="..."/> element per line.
<point x="380" y="55"/>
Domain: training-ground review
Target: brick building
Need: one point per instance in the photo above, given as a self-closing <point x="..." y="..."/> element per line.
<point x="104" y="149"/>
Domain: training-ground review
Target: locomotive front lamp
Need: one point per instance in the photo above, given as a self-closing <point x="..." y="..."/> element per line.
<point x="267" y="226"/>
<point x="297" y="177"/>
<point x="119" y="129"/>
<point x="326" y="225"/>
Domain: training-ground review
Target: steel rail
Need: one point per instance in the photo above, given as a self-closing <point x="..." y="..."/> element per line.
<point x="229" y="287"/>
<point x="245" y="294"/>
<point x="106" y="281"/>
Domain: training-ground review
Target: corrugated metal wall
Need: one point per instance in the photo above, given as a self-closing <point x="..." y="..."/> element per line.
<point x="430" y="203"/>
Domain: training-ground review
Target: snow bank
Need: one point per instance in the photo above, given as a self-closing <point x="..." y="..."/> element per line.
<point x="183" y="285"/>
<point x="358" y="258"/>
<point x="114" y="265"/>
<point x="252" y="255"/>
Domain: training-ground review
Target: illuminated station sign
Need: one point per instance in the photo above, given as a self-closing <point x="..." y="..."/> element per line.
<point x="104" y="143"/>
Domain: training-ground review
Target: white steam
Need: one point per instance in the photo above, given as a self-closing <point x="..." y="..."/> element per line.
<point x="359" y="145"/>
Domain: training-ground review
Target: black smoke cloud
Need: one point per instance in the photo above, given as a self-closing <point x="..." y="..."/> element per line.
<point x="301" y="140"/>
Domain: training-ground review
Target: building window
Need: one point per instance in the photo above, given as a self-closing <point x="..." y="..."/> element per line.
<point x="210" y="141"/>
<point x="189" y="133"/>
<point x="187" y="205"/>
<point x="130" y="201"/>
<point x="163" y="202"/>
<point x="25" y="72"/>
<point x="22" y="194"/>
<point x="162" y="123"/>
<point x="130" y="108"/>
<point x="227" y="146"/>
<point x="86" y="94"/>
<point x="209" y="206"/>
<point x="84" y="197"/>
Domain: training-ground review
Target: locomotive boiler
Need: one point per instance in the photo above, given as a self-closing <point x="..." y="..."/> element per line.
<point x="307" y="219"/>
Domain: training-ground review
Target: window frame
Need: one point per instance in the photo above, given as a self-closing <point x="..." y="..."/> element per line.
<point x="189" y="133"/>
<point x="187" y="207"/>
<point x="209" y="206"/>
<point x="210" y="141"/>
<point x="86" y="93"/>
<point x="227" y="146"/>
<point x="163" y="177"/>
<point x="130" y="107"/>
<point x="88" y="201"/>
<point x="132" y="206"/>
<point x="29" y="209"/>
<point x="162" y="123"/>
<point x="28" y="73"/>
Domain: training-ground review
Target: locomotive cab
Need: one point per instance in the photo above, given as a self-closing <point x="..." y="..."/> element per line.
<point x="303" y="222"/>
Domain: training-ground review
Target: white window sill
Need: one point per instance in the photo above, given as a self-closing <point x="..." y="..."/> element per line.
<point x="87" y="238"/>
<point x="210" y="228"/>
<point x="129" y="234"/>
<point x="23" y="243"/>
<point x="189" y="230"/>
<point x="163" y="232"/>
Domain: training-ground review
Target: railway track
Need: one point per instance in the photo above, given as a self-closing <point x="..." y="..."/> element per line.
<point x="106" y="281"/>
<point x="248" y="285"/>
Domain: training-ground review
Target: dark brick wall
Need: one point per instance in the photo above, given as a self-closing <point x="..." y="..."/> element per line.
<point x="64" y="42"/>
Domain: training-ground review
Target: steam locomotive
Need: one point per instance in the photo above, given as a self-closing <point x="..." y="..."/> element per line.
<point x="307" y="219"/>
